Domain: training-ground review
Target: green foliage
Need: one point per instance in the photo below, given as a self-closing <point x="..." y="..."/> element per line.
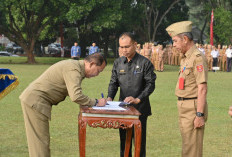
<point x="97" y="14"/>
<point x="222" y="26"/>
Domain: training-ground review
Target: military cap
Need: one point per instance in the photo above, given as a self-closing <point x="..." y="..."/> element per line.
<point x="179" y="27"/>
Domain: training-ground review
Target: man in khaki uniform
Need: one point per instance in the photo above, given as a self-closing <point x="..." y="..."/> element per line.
<point x="157" y="58"/>
<point x="209" y="57"/>
<point x="161" y="58"/>
<point x="60" y="80"/>
<point x="166" y="55"/>
<point x="224" y="58"/>
<point x="154" y="57"/>
<point x="169" y="48"/>
<point x="147" y="51"/>
<point x="177" y="55"/>
<point x="138" y="48"/>
<point x="142" y="50"/>
<point x="191" y="89"/>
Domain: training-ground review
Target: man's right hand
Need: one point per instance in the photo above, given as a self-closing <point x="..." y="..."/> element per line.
<point x="101" y="102"/>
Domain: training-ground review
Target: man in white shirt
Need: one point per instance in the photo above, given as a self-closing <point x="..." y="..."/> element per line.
<point x="201" y="49"/>
<point x="215" y="54"/>
<point x="229" y="58"/>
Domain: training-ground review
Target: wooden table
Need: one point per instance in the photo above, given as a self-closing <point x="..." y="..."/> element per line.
<point x="110" y="119"/>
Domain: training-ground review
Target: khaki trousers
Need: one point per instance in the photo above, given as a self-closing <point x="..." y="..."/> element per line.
<point x="192" y="139"/>
<point x="37" y="131"/>
<point x="156" y="65"/>
<point x="161" y="65"/>
<point x="176" y="60"/>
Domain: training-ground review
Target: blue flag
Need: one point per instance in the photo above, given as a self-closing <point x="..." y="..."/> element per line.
<point x="8" y="82"/>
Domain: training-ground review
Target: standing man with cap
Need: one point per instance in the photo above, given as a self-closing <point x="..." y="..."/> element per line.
<point x="75" y="51"/>
<point x="135" y="76"/>
<point x="191" y="89"/>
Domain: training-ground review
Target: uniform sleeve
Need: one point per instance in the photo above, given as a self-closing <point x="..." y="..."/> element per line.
<point x="73" y="79"/>
<point x="149" y="77"/>
<point x="113" y="85"/>
<point x="200" y="70"/>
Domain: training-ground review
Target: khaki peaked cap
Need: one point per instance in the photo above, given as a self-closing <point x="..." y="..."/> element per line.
<point x="179" y="27"/>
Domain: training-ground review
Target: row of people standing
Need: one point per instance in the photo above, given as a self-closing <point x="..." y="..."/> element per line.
<point x="76" y="50"/>
<point x="159" y="55"/>
<point x="216" y="57"/>
<point x="219" y="56"/>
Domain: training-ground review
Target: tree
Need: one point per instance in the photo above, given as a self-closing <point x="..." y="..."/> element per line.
<point x="155" y="12"/>
<point x="97" y="24"/>
<point x="198" y="15"/>
<point x="23" y="21"/>
<point x="223" y="23"/>
<point x="222" y="19"/>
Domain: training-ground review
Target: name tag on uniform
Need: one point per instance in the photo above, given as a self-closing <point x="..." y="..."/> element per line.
<point x="122" y="71"/>
<point x="181" y="83"/>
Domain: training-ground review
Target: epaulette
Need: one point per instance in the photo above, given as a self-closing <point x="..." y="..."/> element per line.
<point x="197" y="53"/>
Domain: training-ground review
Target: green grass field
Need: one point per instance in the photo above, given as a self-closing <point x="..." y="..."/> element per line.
<point x="163" y="137"/>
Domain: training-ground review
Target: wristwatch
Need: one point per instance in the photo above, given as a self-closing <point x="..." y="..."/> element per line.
<point x="96" y="102"/>
<point x="199" y="114"/>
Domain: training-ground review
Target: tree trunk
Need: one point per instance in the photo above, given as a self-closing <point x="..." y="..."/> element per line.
<point x="106" y="45"/>
<point x="203" y="28"/>
<point x="30" y="56"/>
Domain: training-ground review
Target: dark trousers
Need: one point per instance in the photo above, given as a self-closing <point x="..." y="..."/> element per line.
<point x="215" y="62"/>
<point x="229" y="64"/>
<point x="122" y="133"/>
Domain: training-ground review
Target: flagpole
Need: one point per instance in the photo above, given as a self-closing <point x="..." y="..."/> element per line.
<point x="211" y="28"/>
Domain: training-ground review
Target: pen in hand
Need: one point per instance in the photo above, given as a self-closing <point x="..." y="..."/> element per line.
<point x="102" y="95"/>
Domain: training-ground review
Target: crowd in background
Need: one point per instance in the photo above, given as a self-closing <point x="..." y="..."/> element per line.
<point x="219" y="56"/>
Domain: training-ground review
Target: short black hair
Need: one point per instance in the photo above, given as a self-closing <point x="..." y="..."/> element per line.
<point x="129" y="34"/>
<point x="97" y="58"/>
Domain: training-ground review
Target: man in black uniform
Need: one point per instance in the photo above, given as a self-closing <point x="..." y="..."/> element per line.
<point x="135" y="76"/>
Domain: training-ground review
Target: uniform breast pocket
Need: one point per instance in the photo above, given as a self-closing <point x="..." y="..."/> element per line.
<point x="138" y="74"/>
<point x="187" y="72"/>
<point x="121" y="75"/>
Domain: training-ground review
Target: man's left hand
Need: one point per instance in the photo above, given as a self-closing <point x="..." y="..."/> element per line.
<point x="199" y="122"/>
<point x="132" y="100"/>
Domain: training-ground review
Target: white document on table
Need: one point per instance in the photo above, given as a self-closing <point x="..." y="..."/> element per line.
<point x="111" y="105"/>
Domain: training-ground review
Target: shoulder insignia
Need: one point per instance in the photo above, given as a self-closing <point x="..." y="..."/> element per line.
<point x="200" y="68"/>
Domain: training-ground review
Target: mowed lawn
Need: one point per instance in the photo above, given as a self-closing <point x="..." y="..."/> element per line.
<point x="163" y="137"/>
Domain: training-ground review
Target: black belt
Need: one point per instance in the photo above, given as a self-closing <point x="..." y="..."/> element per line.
<point x="182" y="99"/>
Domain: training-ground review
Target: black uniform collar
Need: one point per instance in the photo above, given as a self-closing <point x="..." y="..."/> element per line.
<point x="132" y="60"/>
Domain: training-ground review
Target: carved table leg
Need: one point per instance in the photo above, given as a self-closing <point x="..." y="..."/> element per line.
<point x="128" y="141"/>
<point x="82" y="136"/>
<point x="137" y="134"/>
